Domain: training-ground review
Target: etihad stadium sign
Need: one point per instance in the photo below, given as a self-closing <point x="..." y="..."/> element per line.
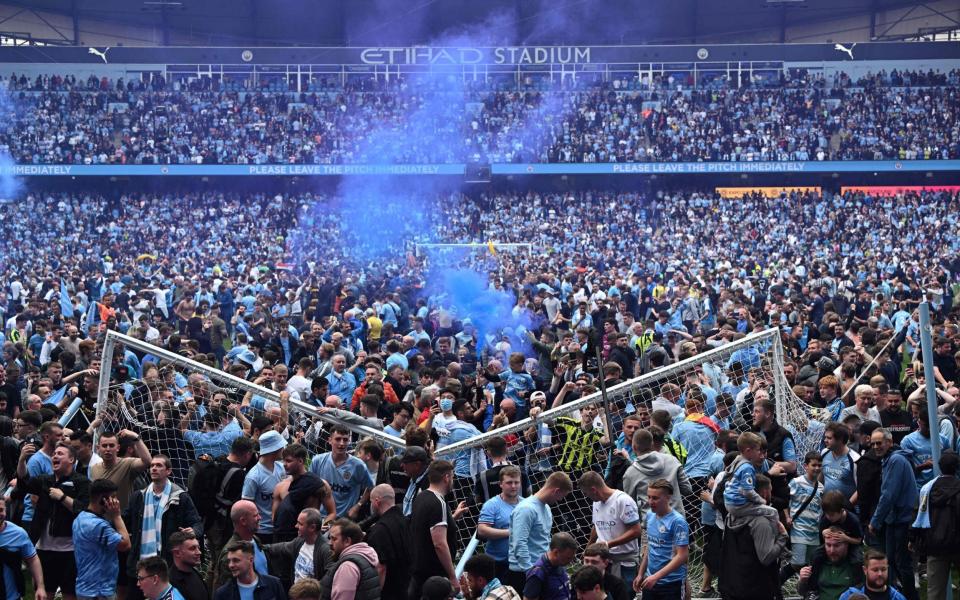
<point x="501" y="55"/>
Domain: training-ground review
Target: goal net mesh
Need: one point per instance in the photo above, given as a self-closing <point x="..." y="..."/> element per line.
<point x="533" y="445"/>
<point x="152" y="405"/>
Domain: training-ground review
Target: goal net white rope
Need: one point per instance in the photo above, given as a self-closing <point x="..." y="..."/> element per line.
<point x="153" y="403"/>
<point x="534" y="444"/>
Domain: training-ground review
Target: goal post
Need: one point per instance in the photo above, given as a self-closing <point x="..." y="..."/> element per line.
<point x="760" y="353"/>
<point x="421" y="248"/>
<point x="139" y="405"/>
<point x="769" y="340"/>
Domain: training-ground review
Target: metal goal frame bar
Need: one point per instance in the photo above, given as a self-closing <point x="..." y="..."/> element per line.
<point x="771" y="336"/>
<point x="114" y="338"/>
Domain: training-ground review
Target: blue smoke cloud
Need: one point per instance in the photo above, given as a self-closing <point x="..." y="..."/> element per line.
<point x="492" y="312"/>
<point x="384" y="216"/>
<point x="11" y="186"/>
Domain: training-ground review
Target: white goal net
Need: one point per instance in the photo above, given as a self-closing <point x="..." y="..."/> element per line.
<point x="154" y="403"/>
<point x="533" y="444"/>
<point x="151" y="404"/>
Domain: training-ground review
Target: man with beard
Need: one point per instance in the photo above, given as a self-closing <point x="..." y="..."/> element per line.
<point x="781" y="450"/>
<point x="61" y="495"/>
<point x="355" y="574"/>
<point x="875" y="587"/>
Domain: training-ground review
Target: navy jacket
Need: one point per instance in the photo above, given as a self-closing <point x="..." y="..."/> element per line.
<point x="898" y="492"/>
<point x="268" y="588"/>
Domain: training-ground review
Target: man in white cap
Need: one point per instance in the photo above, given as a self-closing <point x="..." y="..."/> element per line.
<point x="260" y="482"/>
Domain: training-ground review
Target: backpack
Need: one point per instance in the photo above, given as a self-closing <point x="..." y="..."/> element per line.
<point x="209" y="481"/>
<point x="852" y="462"/>
<point x="718" y="504"/>
<point x="618" y="467"/>
<point x="943" y="500"/>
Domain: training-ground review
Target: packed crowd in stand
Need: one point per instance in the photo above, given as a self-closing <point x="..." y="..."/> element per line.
<point x="895" y="115"/>
<point x="280" y="506"/>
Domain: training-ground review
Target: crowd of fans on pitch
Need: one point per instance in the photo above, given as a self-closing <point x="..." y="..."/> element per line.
<point x="285" y="506"/>
<point x="886" y="115"/>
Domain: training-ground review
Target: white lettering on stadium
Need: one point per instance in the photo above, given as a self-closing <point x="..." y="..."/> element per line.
<point x="510" y="55"/>
<point x="41" y="170"/>
<point x="728" y="167"/>
<point x="344" y="169"/>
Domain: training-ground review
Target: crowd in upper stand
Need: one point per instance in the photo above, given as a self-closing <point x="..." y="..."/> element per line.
<point x="792" y="116"/>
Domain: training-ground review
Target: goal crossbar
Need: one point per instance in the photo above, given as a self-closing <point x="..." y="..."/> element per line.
<point x="113" y="338"/>
<point x="769" y="336"/>
<point x="483" y="245"/>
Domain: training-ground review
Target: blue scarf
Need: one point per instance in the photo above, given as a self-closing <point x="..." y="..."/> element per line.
<point x="153" y="519"/>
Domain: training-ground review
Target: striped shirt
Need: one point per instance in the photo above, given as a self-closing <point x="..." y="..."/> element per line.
<point x="581" y="449"/>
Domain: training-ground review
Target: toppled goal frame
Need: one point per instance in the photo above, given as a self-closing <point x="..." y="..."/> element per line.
<point x="790" y="410"/>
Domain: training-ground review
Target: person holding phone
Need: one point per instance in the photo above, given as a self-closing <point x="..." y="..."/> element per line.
<point x="98" y="535"/>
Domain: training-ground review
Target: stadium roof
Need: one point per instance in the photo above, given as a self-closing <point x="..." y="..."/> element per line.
<point x="529" y="22"/>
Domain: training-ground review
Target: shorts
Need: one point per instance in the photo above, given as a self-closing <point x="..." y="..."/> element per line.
<point x="712" y="547"/>
<point x="59" y="571"/>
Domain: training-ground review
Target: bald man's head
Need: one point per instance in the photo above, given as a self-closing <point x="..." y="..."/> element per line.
<point x="382" y="498"/>
<point x="332" y="401"/>
<point x="246" y="519"/>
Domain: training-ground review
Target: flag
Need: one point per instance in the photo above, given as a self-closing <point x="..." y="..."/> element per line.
<point x="493" y="250"/>
<point x="56" y="396"/>
<point x="66" y="305"/>
<point x="91" y="314"/>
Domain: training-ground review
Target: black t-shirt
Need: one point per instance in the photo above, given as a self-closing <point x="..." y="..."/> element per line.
<point x="946" y="365"/>
<point x="616" y="588"/>
<point x="862" y="309"/>
<point x="898" y="422"/>
<point x="429" y="511"/>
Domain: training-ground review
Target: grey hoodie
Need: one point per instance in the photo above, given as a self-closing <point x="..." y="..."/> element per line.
<point x="649" y="467"/>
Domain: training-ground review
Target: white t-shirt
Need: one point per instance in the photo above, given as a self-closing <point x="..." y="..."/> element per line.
<point x="872" y="414"/>
<point x="298" y="386"/>
<point x="612" y="519"/>
<point x="303" y="567"/>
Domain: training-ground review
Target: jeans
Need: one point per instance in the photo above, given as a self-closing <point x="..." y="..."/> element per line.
<point x="664" y="591"/>
<point x="900" y="558"/>
<point x="625" y="570"/>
